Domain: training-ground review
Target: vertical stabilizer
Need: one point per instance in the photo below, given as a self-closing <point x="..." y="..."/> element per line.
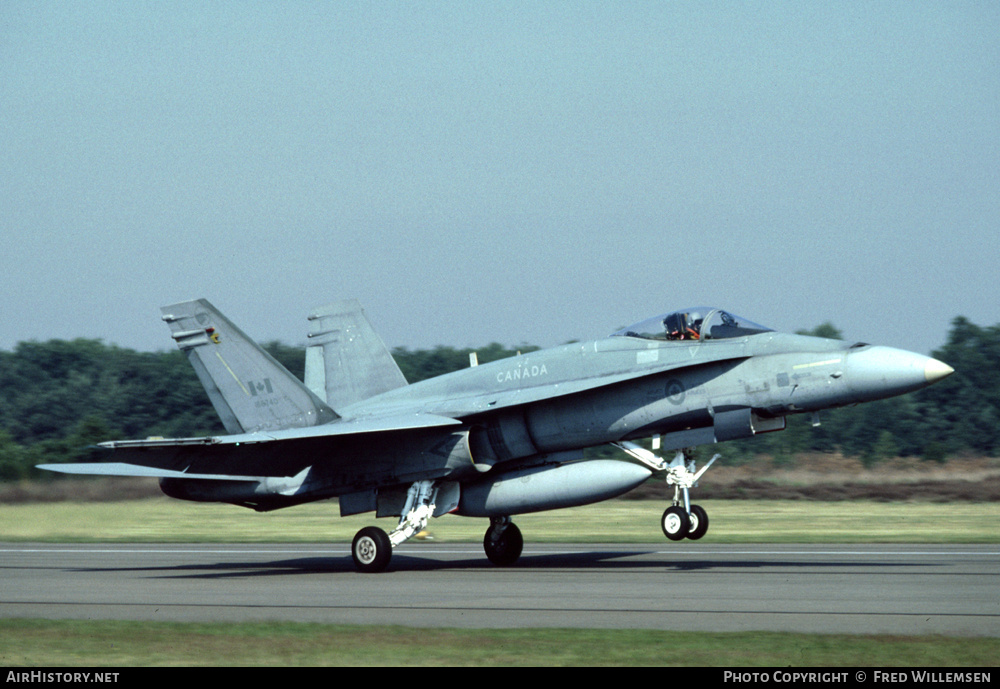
<point x="346" y="361"/>
<point x="249" y="389"/>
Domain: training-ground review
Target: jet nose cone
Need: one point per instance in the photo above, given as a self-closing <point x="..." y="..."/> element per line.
<point x="880" y="372"/>
<point x="936" y="370"/>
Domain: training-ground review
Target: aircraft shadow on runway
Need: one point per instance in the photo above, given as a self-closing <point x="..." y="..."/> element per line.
<point x="652" y="560"/>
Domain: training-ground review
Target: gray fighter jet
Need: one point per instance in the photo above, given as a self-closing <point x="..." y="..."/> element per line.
<point x="492" y="440"/>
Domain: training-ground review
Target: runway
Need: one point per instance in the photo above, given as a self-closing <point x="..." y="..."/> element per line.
<point x="901" y="589"/>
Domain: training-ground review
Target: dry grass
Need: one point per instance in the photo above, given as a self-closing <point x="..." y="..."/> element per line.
<point x="833" y="477"/>
<point x="817" y="476"/>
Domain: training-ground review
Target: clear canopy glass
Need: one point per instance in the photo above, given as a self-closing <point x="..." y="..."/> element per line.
<point x="699" y="323"/>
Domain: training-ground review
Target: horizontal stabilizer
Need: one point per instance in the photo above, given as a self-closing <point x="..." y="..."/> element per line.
<point x="123" y="469"/>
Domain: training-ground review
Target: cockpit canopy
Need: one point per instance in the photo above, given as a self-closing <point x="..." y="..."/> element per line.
<point x="700" y="323"/>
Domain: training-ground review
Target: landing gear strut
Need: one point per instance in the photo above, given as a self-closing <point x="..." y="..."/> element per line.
<point x="372" y="547"/>
<point x="682" y="519"/>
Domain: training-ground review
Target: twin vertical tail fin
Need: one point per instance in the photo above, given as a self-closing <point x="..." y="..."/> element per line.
<point x="249" y="389"/>
<point x="346" y="361"/>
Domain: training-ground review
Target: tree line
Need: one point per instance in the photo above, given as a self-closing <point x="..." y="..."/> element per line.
<point x="58" y="398"/>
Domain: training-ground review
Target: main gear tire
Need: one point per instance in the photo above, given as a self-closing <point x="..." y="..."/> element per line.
<point x="371" y="550"/>
<point x="504" y="550"/>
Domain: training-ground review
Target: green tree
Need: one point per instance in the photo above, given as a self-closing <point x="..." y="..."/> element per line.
<point x="827" y="330"/>
<point x="13" y="459"/>
<point x="61" y="396"/>
<point x="884" y="448"/>
<point x="962" y="410"/>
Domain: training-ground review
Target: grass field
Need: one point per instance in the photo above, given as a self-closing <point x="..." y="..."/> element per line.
<point x="158" y="520"/>
<point x="131" y="644"/>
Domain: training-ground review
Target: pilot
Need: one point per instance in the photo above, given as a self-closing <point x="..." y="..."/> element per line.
<point x="693" y="323"/>
<point x="681" y="326"/>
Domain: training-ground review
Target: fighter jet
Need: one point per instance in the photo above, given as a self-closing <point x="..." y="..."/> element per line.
<point x="493" y="440"/>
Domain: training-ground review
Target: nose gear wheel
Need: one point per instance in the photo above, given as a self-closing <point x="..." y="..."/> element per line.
<point x="675" y="523"/>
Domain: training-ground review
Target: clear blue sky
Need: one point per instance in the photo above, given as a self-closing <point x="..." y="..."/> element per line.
<point x="514" y="172"/>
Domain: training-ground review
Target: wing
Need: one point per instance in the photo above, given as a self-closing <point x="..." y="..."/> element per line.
<point x="253" y="456"/>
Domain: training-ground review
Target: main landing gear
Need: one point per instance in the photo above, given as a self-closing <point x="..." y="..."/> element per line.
<point x="372" y="547"/>
<point x="682" y="519"/>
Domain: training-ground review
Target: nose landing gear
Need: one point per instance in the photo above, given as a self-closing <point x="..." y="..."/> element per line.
<point x="682" y="519"/>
